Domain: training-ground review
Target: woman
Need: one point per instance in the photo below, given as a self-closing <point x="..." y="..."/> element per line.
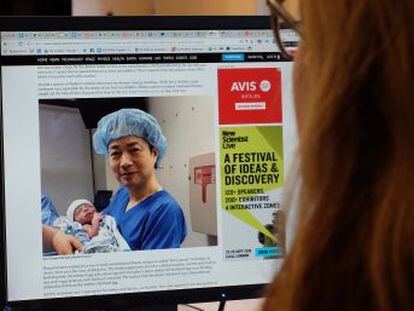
<point x="148" y="217"/>
<point x="354" y="77"/>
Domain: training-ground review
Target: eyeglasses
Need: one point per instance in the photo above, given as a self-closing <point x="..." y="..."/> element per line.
<point x="281" y="17"/>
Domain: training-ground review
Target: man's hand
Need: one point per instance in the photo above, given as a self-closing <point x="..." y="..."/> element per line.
<point x="65" y="244"/>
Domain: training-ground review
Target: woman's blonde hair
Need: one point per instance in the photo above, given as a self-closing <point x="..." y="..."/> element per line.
<point x="354" y="243"/>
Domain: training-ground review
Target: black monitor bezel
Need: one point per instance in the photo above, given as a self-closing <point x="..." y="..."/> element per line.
<point x="124" y="23"/>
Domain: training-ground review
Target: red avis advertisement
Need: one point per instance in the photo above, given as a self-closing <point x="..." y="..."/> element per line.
<point x="250" y="95"/>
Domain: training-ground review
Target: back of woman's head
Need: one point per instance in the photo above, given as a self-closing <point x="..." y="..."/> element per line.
<point x="354" y="242"/>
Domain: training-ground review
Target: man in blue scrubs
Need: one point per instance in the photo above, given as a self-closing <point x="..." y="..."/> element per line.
<point x="147" y="215"/>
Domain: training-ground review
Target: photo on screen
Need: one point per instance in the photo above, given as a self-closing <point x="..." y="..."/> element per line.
<point x="78" y="184"/>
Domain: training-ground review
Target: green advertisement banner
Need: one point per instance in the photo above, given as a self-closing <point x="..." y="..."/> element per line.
<point x="251" y="170"/>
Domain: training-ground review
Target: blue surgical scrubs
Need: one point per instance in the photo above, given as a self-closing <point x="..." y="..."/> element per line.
<point x="49" y="213"/>
<point x="156" y="222"/>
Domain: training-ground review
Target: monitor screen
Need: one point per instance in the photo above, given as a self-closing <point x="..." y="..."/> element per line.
<point x="143" y="157"/>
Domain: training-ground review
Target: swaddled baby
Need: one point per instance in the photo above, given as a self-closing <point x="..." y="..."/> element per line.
<point x="84" y="212"/>
<point x="98" y="233"/>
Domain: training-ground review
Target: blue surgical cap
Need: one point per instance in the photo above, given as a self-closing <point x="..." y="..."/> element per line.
<point x="127" y="122"/>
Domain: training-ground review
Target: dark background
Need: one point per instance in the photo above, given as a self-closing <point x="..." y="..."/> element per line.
<point x="36" y="7"/>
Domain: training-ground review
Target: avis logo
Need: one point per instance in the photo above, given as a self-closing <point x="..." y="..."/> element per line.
<point x="264" y="86"/>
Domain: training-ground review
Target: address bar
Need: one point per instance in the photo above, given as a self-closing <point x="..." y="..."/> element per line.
<point x="123" y="42"/>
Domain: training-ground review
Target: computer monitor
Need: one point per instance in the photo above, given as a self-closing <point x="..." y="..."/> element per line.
<point x="214" y="89"/>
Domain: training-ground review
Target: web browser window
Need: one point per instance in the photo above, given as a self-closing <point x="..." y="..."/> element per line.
<point x="223" y="101"/>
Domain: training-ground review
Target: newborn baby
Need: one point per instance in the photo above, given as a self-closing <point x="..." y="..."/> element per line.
<point x="98" y="233"/>
<point x="85" y="213"/>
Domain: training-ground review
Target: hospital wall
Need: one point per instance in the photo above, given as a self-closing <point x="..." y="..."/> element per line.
<point x="65" y="156"/>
